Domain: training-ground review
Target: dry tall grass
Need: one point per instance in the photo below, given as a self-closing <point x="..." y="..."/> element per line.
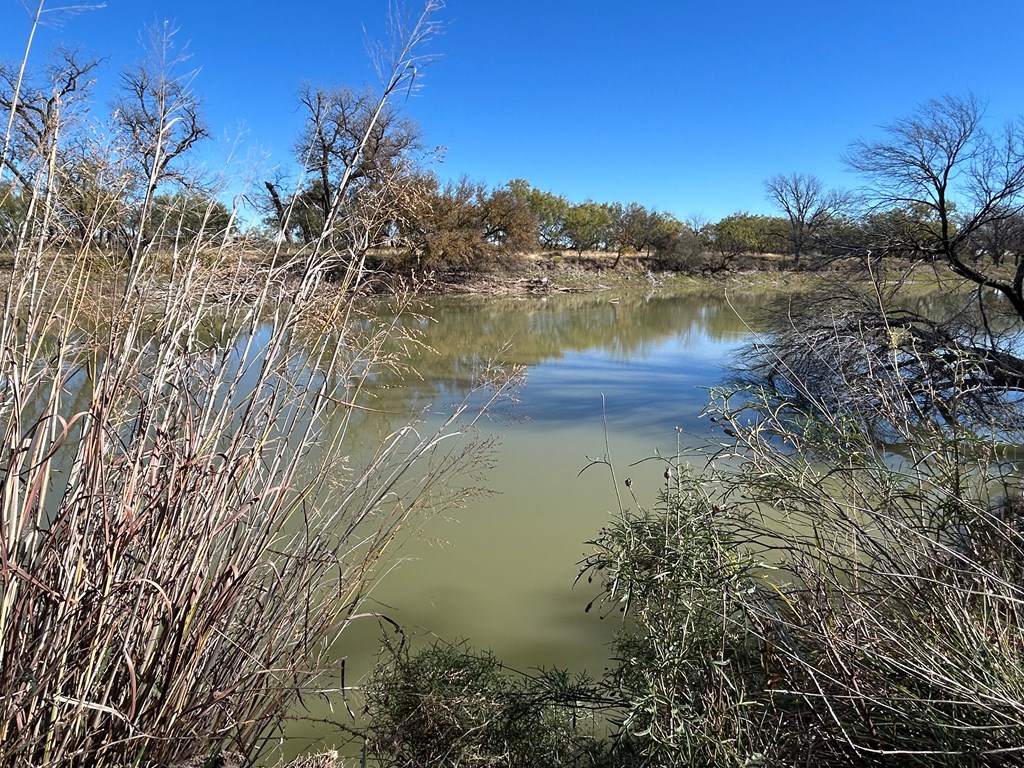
<point x="888" y="501"/>
<point x="183" y="536"/>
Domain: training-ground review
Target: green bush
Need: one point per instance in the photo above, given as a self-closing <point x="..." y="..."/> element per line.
<point x="842" y="585"/>
<point x="450" y="705"/>
<point x="687" y="680"/>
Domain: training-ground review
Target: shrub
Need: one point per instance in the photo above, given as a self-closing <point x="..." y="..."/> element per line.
<point x="880" y="494"/>
<point x="687" y="681"/>
<point x="842" y="584"/>
<point x="898" y="551"/>
<point x="454" y="706"/>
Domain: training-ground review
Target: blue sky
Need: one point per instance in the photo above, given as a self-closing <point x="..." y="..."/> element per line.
<point x="679" y="105"/>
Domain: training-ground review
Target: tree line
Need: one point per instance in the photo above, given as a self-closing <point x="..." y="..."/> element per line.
<point x="129" y="177"/>
<point x="75" y="177"/>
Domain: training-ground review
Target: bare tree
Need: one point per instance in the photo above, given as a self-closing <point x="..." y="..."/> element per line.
<point x="277" y="211"/>
<point x="958" y="177"/>
<point x="345" y="137"/>
<point x="159" y="114"/>
<point x="808" y="206"/>
<point x="15" y="78"/>
<point x="946" y="191"/>
<point x="40" y="109"/>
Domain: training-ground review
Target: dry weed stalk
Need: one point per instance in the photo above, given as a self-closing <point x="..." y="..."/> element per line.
<point x="884" y="489"/>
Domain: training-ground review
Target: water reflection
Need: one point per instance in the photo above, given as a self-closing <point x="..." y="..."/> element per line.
<point x="650" y="355"/>
<point x="501" y="574"/>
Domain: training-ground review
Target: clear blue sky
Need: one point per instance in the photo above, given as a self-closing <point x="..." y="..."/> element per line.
<point x="680" y="105"/>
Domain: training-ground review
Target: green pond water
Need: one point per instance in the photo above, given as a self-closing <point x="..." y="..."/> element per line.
<point x="500" y="572"/>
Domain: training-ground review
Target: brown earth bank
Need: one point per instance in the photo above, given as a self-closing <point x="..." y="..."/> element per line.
<point x="569" y="272"/>
<point x="521" y="275"/>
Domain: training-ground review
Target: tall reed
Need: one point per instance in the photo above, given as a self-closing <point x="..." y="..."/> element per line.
<point x="186" y="527"/>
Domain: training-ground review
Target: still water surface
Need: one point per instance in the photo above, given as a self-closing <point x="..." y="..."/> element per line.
<point x="500" y="572"/>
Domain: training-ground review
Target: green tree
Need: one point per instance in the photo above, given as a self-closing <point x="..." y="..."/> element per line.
<point x="677" y="245"/>
<point x="903" y="231"/>
<point x="95" y="205"/>
<point x="550" y="212"/>
<point x="744" y="233"/>
<point x="189" y="218"/>
<point x="508" y="221"/>
<point x="634" y="228"/>
<point x="999" y="238"/>
<point x="303" y="216"/>
<point x="588" y="226"/>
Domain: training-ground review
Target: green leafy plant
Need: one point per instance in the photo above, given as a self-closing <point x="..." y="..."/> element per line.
<point x="687" y="680"/>
<point x="455" y="706"/>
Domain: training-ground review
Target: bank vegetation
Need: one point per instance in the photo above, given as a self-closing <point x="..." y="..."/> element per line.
<point x="839" y="580"/>
<point x="187" y="526"/>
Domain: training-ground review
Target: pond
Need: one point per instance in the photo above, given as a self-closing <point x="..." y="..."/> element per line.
<point x="630" y="369"/>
